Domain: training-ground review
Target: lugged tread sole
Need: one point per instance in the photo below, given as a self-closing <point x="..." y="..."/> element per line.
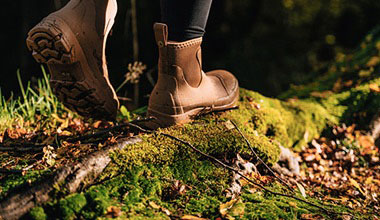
<point x="50" y="46"/>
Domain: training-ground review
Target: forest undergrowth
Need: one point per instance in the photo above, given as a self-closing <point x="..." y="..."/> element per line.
<point x="325" y="123"/>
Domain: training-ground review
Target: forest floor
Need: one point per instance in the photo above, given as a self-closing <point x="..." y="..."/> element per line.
<point x="207" y="169"/>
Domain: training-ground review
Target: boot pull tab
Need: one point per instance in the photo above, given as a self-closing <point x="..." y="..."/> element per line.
<point x="161" y="34"/>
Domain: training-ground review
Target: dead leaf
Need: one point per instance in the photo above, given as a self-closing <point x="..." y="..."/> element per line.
<point x="365" y="73"/>
<point x="191" y="217"/>
<point x="337" y="85"/>
<point x="223" y="208"/>
<point x="229" y="125"/>
<point x="374" y="88"/>
<point x="351" y="129"/>
<point x="255" y="105"/>
<point x="302" y="190"/>
<point x="368" y="180"/>
<point x="373" y="61"/>
<point x="162" y="209"/>
<point x="366" y="141"/>
<point x="113" y="212"/>
<point x="64" y="124"/>
<point x="348" y="83"/>
<point x="323" y="94"/>
<point x="66" y="133"/>
<point x="97" y="124"/>
<point x="306" y="216"/>
<point x="154" y="205"/>
<point x="346" y="217"/>
<point x="293" y="204"/>
<point x="356" y="184"/>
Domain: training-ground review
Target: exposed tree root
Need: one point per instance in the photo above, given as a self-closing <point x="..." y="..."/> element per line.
<point x="68" y="179"/>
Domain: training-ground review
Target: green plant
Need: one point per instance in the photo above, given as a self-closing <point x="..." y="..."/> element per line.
<point x="35" y="103"/>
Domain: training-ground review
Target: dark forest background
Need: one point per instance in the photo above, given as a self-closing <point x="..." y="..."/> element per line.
<point x="267" y="44"/>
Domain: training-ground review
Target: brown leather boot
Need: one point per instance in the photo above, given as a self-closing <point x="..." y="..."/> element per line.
<point x="72" y="43"/>
<point x="183" y="90"/>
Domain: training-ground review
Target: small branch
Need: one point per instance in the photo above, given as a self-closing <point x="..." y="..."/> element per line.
<point x="35" y="148"/>
<point x="246" y="178"/>
<point x="113" y="128"/>
<point x="208" y="110"/>
<point x="124" y="99"/>
<point x="258" y="158"/>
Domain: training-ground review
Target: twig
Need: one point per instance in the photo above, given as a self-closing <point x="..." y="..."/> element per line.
<point x="22" y="149"/>
<point x="124" y="99"/>
<point x="246" y="178"/>
<point x="21" y="171"/>
<point x="107" y="130"/>
<point x="207" y="110"/>
<point x="258" y="158"/>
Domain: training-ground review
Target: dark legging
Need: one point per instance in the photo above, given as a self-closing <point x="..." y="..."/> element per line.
<point x="186" y="19"/>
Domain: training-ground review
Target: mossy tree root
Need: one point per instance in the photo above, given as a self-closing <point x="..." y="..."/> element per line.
<point x="67" y="180"/>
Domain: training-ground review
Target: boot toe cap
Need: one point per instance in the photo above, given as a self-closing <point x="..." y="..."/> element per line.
<point x="229" y="81"/>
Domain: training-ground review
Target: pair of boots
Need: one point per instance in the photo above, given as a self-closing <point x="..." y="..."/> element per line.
<point x="72" y="43"/>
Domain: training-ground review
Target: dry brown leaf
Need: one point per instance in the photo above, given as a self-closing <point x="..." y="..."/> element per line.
<point x="356" y="184"/>
<point x="366" y="141"/>
<point x="293" y="204"/>
<point x="66" y="133"/>
<point x="255" y="105"/>
<point x="368" y="180"/>
<point x="223" y="208"/>
<point x="191" y="217"/>
<point x="97" y="124"/>
<point x="337" y="85"/>
<point x="113" y="212"/>
<point x="348" y="83"/>
<point x="301" y="189"/>
<point x="64" y="124"/>
<point x="323" y="94"/>
<point x="373" y="61"/>
<point x="229" y="125"/>
<point x="307" y="216"/>
<point x="374" y="88"/>
<point x="351" y="129"/>
<point x="155" y="206"/>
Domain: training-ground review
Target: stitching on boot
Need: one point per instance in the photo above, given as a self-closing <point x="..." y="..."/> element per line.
<point x="185" y="44"/>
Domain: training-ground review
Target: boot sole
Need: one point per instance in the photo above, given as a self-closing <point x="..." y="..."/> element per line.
<point x="53" y="43"/>
<point x="165" y="120"/>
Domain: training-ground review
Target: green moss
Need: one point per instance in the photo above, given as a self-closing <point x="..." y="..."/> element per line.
<point x="37" y="213"/>
<point x="17" y="180"/>
<point x="70" y="206"/>
<point x="347" y="102"/>
<point x="152" y="171"/>
<point x="98" y="201"/>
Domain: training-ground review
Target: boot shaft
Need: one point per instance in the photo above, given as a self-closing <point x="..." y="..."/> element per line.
<point x="179" y="58"/>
